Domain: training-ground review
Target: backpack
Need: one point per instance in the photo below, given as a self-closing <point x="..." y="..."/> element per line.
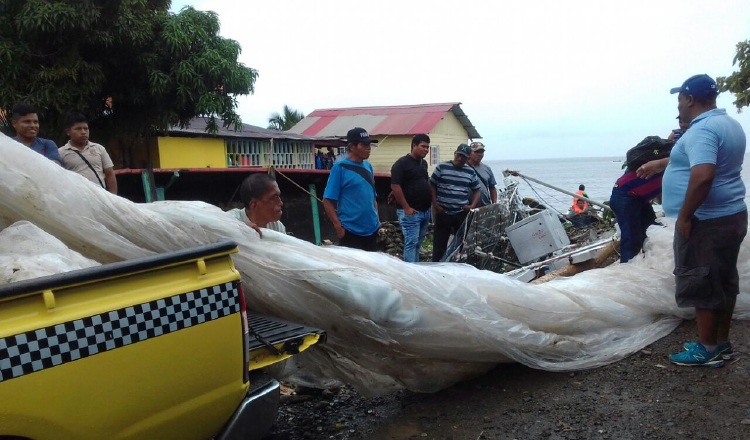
<point x="650" y="148"/>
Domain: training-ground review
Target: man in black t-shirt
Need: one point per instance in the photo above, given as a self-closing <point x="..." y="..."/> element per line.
<point x="410" y="184"/>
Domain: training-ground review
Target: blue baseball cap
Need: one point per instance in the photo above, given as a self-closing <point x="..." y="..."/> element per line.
<point x="700" y="86"/>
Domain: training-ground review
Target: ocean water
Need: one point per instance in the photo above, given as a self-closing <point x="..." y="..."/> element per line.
<point x="598" y="174"/>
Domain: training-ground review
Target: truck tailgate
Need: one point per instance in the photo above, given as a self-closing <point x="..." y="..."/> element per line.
<point x="273" y="340"/>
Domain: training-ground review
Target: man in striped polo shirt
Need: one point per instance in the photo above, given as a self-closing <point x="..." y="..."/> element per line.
<point x="455" y="192"/>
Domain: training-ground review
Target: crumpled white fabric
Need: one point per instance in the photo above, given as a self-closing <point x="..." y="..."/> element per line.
<point x="390" y="324"/>
<point x="28" y="252"/>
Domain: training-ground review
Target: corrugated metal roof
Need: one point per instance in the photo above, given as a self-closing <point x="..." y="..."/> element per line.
<point x="337" y="127"/>
<point x="198" y="127"/>
<point x="382" y="121"/>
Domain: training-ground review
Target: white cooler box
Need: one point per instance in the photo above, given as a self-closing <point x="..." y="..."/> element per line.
<point x="537" y="236"/>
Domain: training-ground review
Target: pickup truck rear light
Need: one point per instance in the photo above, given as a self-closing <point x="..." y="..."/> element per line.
<point x="245" y="336"/>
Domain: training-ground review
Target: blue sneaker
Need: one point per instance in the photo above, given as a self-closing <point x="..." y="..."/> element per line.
<point x="725" y="348"/>
<point x="695" y="355"/>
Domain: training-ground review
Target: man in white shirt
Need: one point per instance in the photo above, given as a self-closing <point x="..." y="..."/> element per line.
<point x="261" y="199"/>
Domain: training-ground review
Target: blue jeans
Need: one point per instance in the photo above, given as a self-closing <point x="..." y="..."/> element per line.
<point x="414" y="228"/>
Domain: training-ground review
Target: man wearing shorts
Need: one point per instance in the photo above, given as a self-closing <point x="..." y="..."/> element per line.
<point x="703" y="190"/>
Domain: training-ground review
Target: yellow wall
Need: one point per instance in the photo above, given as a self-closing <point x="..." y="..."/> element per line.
<point x="183" y="152"/>
<point x="447" y="134"/>
<point x="388" y="151"/>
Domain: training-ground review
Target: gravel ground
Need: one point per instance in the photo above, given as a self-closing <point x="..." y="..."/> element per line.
<point x="641" y="397"/>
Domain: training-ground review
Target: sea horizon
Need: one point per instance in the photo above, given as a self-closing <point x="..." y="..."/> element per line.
<point x="598" y="174"/>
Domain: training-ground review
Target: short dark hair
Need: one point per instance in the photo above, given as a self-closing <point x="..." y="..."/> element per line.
<point x="706" y="100"/>
<point x="254" y="187"/>
<point x="419" y="138"/>
<point x="581" y="187"/>
<point x="75" y="118"/>
<point x="22" y="109"/>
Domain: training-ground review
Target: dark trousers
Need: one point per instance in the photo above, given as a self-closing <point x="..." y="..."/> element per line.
<point x="634" y="216"/>
<point x="366" y="243"/>
<point x="445" y="225"/>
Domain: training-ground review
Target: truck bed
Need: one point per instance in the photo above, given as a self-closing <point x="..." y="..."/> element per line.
<point x="273" y="340"/>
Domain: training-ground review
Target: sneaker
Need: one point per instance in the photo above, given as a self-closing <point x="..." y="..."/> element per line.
<point x="695" y="355"/>
<point x="724" y="348"/>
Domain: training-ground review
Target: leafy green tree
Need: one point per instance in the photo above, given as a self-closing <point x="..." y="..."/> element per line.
<point x="739" y="82"/>
<point x="132" y="66"/>
<point x="286" y="119"/>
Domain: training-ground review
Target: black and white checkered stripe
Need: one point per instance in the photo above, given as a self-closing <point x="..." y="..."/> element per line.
<point x="47" y="347"/>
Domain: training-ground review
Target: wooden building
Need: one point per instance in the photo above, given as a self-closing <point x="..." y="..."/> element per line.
<point x="394" y="126"/>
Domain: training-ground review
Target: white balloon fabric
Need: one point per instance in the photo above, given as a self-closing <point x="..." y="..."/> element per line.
<point x="390" y="324"/>
<point x="27" y="252"/>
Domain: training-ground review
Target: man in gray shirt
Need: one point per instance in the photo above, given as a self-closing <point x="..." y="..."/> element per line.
<point x="485" y="174"/>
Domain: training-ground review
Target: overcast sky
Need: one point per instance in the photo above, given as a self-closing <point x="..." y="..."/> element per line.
<point x="537" y="78"/>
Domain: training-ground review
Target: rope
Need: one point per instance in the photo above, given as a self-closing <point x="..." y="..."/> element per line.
<point x="272" y="170"/>
<point x="540" y="197"/>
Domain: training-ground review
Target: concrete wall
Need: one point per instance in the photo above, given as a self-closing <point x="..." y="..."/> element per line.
<point x="183" y="152"/>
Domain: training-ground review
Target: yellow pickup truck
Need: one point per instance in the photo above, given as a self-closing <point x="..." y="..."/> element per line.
<point x="155" y="348"/>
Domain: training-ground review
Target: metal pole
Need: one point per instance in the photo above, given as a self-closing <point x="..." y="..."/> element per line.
<point x="147" y="177"/>
<point x="593" y="202"/>
<point x="316" y="219"/>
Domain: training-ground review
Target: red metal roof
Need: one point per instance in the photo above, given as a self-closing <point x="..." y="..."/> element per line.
<point x="382" y="121"/>
<point x="230" y="170"/>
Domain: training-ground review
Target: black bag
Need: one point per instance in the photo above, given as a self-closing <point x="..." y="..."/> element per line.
<point x="650" y="148"/>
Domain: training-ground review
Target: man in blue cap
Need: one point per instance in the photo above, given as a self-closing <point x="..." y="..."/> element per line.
<point x="703" y="190"/>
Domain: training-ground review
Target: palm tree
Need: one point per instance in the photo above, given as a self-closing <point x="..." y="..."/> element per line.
<point x="286" y="120"/>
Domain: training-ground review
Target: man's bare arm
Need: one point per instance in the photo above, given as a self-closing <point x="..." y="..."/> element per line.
<point x="652" y="168"/>
<point x="110" y="180"/>
<point x="398" y="193"/>
<point x="330" y="208"/>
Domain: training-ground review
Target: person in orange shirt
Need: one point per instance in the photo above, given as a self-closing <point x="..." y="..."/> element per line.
<point x="580" y="205"/>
